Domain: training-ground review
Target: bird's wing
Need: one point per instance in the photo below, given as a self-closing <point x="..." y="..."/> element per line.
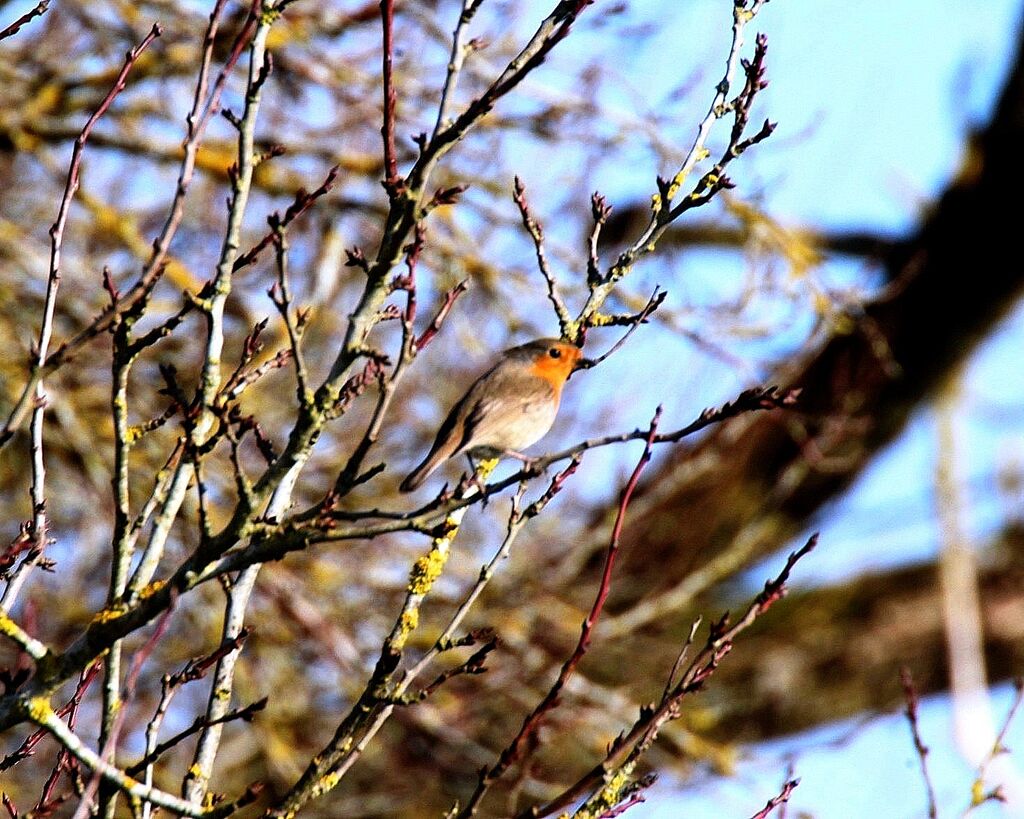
<point x="498" y="398"/>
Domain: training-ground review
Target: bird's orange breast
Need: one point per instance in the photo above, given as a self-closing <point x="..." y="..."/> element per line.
<point x="556" y="370"/>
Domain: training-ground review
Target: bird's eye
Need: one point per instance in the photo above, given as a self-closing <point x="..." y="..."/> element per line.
<point x="554" y="352"/>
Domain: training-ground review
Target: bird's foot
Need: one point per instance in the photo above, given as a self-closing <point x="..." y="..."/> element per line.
<point x="528" y="462"/>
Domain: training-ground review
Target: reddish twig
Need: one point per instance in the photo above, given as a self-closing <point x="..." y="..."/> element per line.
<point x="629" y="746"/>
<point x="517" y="749"/>
<point x="65" y="761"/>
<point x="434" y="328"/>
<point x="27" y="17"/>
<point x="27" y="748"/>
<point x="131" y="681"/>
<point x="72" y="184"/>
<point x="392" y="182"/>
<point x="22" y="542"/>
<point x="910" y="694"/>
<point x="780" y="799"/>
<point x="303" y="201"/>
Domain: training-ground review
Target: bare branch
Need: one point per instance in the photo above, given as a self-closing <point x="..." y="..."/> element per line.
<point x="776" y="801"/>
<point x="38" y="11"/>
<point x="518" y="749"/>
<point x="203" y="109"/>
<point x="38" y="489"/>
<point x="612" y="773"/>
<point x="910" y="694"/>
<point x="537" y="234"/>
<point x="392" y="182"/>
<point x="460" y="49"/>
<point x="979" y="795"/>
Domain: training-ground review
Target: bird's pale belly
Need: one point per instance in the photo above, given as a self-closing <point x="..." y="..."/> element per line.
<point x="517" y="431"/>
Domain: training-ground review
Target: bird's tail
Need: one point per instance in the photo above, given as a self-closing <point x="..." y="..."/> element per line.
<point x="415" y="478"/>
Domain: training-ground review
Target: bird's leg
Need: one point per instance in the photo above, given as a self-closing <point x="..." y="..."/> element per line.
<point x="474" y="478"/>
<point x="526" y="460"/>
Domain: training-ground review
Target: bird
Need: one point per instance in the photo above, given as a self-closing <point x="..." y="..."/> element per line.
<point x="508" y="408"/>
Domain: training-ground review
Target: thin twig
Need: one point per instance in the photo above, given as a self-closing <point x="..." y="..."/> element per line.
<point x="392" y="181"/>
<point x="350" y="476"/>
<point x="632" y="322"/>
<point x="434" y="327"/>
<point x="780" y="799"/>
<point x="27" y="748"/>
<point x="28" y="16"/>
<point x="66" y="762"/>
<point x="194" y="786"/>
<point x="122" y="359"/>
<point x="282" y="299"/>
<point x="536" y="232"/>
<point x="112" y="732"/>
<point x="979" y="795"/>
<point x="600" y="210"/>
<point x="195" y="669"/>
<point x="42" y="715"/>
<point x="197" y="778"/>
<point x="910" y="694"/>
<point x="455" y="61"/>
<point x="303" y="201"/>
<point x="663" y="211"/>
<point x="245" y="713"/>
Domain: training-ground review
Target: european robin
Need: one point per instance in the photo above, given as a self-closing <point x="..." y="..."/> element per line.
<point x="508" y="408"/>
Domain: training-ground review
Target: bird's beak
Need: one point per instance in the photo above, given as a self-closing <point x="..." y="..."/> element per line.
<point x="582" y="364"/>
